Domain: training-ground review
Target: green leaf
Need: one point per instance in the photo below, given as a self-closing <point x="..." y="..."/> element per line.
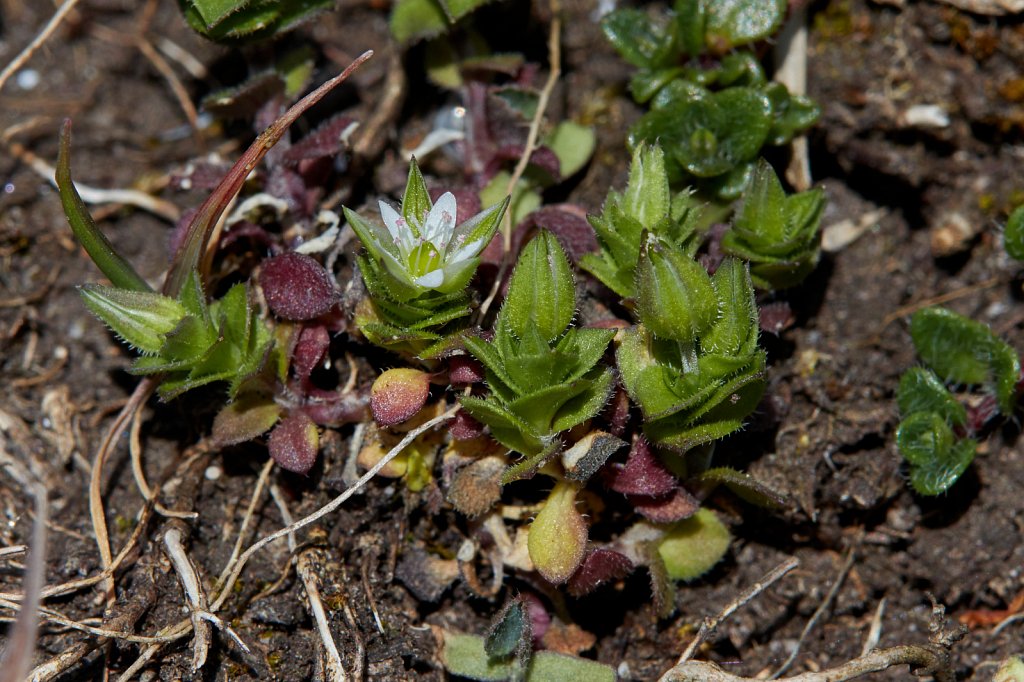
<point x="253" y="20"/>
<point x="510" y="632"/>
<point x="587" y="403"/>
<point x="214" y="11"/>
<point x="921" y="391"/>
<point x="466" y="656"/>
<point x="967" y="352"/>
<point x="413" y="20"/>
<point x="779" y="235"/>
<point x="718" y="416"/>
<point x="731" y="23"/>
<point x="558" y="535"/>
<point x="675" y="297"/>
<point x="524" y="201"/>
<point x="573" y="144"/>
<point x="791" y="114"/>
<point x="541" y="293"/>
<point x="937" y="459"/>
<point x="140" y="318"/>
<point x="691" y="19"/>
<point x="587" y="347"/>
<point x="119" y="271"/>
<point x="1013" y="237"/>
<point x="744" y="486"/>
<point x="548" y="666"/>
<point x="245" y="419"/>
<point x="642" y="40"/>
<point x="693" y="546"/>
<point x="492" y="414"/>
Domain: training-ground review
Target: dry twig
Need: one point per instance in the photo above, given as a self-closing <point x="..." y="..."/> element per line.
<point x="707" y="628"/>
<point x="926" y="660"/>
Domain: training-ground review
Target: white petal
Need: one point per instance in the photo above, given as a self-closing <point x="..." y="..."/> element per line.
<point x="396" y="267"/>
<point x="431" y="280"/>
<point x="401" y="235"/>
<point x="440" y="222"/>
<point x="468" y="251"/>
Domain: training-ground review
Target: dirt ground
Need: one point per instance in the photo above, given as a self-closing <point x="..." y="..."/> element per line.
<point x="928" y="185"/>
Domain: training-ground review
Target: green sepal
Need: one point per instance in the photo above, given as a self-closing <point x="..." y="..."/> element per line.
<point x="735" y="331"/>
<point x="675" y="297"/>
<point x="416" y="201"/>
<point x="541" y="292"/>
<point x="140" y="318"/>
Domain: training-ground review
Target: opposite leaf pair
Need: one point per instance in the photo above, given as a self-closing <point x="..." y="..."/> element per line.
<point x="544" y="377"/>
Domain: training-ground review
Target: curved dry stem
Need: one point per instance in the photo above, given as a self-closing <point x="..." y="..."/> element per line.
<point x="148" y="494"/>
<point x="923" y="660"/>
<point x="96" y="510"/>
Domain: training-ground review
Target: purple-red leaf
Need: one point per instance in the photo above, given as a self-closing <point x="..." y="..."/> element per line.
<point x="599" y="566"/>
<point x="675" y="506"/>
<point x="775" y="317"/>
<point x="643" y="473"/>
<point x="465" y="427"/>
<point x="294" y="443"/>
<point x="310" y="349"/>
<point x="464" y="370"/>
<point x="326" y="140"/>
<point x="297" y="287"/>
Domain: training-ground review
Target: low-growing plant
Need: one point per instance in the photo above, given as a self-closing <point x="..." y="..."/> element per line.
<point x="938" y="432"/>
<point x="544" y="392"/>
<point x="712" y="108"/>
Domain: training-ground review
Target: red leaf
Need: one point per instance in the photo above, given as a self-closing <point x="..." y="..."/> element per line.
<point x="297" y="287"/>
<point x="310" y="349"/>
<point x="675" y="506"/>
<point x="294" y="443"/>
<point x="599" y="566"/>
<point x="643" y="473"/>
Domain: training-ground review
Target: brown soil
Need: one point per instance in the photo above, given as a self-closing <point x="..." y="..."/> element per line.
<point x="825" y="434"/>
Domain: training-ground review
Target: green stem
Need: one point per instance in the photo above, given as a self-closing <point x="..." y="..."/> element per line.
<point x="121" y="274"/>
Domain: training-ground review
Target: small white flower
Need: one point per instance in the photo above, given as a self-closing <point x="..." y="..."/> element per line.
<point x="422" y="246"/>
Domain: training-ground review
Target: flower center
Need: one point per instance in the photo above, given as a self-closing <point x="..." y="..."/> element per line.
<point x="423" y="259"/>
